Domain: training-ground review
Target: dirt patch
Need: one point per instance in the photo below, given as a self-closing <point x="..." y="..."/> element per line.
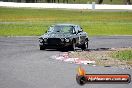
<point x="102" y="57"/>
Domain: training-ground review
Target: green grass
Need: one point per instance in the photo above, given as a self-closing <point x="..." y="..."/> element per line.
<point x="123" y="55"/>
<point x="30" y="22"/>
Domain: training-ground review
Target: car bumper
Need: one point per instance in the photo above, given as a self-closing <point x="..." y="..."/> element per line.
<point x="54" y="46"/>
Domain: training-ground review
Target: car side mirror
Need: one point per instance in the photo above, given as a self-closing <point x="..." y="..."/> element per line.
<point x="79" y="31"/>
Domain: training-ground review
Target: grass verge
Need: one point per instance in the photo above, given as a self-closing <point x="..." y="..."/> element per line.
<point x="123" y="55"/>
<point x="118" y="57"/>
<point x="32" y="22"/>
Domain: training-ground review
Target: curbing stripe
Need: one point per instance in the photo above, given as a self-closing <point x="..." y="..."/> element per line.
<point x="65" y="57"/>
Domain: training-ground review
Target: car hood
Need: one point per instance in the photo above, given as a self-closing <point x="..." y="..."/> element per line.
<point x="56" y="35"/>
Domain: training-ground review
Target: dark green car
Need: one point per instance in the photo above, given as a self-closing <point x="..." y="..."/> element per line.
<point x="64" y="36"/>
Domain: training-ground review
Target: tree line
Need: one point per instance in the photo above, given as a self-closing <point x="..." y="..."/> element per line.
<point x="125" y="1"/>
<point x="62" y="1"/>
<point x="67" y="1"/>
<point x="53" y="1"/>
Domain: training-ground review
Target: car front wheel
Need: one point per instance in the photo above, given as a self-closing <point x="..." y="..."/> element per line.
<point x="85" y="45"/>
<point x="42" y="47"/>
<point x="72" y="47"/>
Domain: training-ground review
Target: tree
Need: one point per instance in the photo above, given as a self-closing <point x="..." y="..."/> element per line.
<point x="65" y="1"/>
<point x="99" y="1"/>
<point x="30" y="1"/>
<point x="18" y="0"/>
<point x="128" y="2"/>
<point x="48" y="1"/>
<point x="53" y="1"/>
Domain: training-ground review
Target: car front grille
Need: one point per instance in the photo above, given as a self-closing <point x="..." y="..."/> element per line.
<point x="54" y="41"/>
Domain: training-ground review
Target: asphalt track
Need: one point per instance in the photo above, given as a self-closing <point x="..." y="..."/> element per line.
<point x="23" y="65"/>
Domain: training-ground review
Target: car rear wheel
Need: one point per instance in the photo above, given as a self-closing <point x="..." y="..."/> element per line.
<point x="85" y="45"/>
<point x="42" y="47"/>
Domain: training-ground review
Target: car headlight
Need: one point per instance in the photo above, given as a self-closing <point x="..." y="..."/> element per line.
<point x="41" y="40"/>
<point x="67" y="40"/>
<point x="62" y="39"/>
<point x="45" y="39"/>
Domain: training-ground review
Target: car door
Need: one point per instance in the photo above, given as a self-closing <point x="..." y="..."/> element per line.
<point x="81" y="35"/>
<point x="76" y="35"/>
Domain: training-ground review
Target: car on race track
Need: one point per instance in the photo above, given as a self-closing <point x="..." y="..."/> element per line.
<point x="64" y="36"/>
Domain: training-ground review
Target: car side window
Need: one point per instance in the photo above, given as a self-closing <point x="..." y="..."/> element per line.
<point x="76" y="29"/>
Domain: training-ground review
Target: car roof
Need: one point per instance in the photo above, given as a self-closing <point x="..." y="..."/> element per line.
<point x="64" y="25"/>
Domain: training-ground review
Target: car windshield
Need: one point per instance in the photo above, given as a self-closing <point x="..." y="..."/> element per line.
<point x="61" y="29"/>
